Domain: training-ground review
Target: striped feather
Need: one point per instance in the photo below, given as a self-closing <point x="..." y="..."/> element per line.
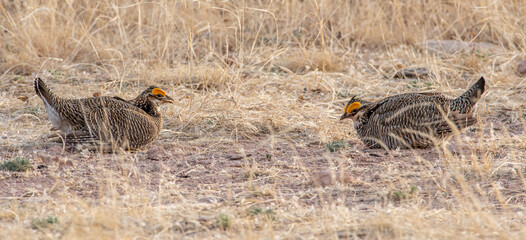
<point x="103" y="119"/>
<point x="415" y="120"/>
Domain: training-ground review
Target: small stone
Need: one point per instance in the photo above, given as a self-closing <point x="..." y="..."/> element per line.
<point x="412" y="73"/>
<point x="41" y="166"/>
<point x="239" y="156"/>
<point x="521" y="67"/>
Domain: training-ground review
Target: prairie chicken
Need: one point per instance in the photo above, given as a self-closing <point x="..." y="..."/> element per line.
<point x="110" y="120"/>
<point x="412" y="120"/>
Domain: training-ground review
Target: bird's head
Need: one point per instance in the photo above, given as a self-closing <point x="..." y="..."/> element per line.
<point x="158" y="96"/>
<point x="354" y="109"/>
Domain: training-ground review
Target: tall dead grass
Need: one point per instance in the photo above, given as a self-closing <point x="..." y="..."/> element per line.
<point x="114" y="35"/>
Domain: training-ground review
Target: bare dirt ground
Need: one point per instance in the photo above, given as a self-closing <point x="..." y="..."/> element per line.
<point x="271" y="173"/>
<point x="259" y="87"/>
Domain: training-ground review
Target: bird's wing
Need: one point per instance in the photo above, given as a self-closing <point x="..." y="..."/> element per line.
<point x="412" y="112"/>
<point x="109" y="119"/>
<point x="121" y="124"/>
<point x="455" y="122"/>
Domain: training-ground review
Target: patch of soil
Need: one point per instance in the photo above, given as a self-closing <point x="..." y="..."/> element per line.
<point x="263" y="168"/>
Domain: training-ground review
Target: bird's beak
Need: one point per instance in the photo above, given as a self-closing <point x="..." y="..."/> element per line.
<point x="168" y="99"/>
<point x="343" y="116"/>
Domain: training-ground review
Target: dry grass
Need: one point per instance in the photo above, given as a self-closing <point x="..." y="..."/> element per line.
<point x="259" y="87"/>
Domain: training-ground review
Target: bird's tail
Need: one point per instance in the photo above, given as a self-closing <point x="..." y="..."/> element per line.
<point x="475" y="91"/>
<point x="43" y="91"/>
<point x="86" y="138"/>
<point x="465" y="102"/>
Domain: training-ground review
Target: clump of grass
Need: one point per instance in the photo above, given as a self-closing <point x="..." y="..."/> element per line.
<point x="254" y="173"/>
<point x="257" y="211"/>
<point x="413" y="190"/>
<point x="417" y="84"/>
<point x="400" y="195"/>
<point x="335" y="145"/>
<point x="40" y="223"/>
<point x="253" y="211"/>
<point x="57" y="73"/>
<point x="256" y="192"/>
<point x="17" y="164"/>
<point x="223" y="221"/>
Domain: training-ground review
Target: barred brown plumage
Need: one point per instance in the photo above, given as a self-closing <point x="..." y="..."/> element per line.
<point x="412" y="120"/>
<point x="110" y="120"/>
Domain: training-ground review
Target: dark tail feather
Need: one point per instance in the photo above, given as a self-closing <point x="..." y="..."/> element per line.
<point x="465" y="102"/>
<point x="83" y="137"/>
<point x="474" y="93"/>
<point x="43" y="91"/>
<point x="75" y="137"/>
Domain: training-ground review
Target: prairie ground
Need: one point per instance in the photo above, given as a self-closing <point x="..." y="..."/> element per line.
<point x="253" y="147"/>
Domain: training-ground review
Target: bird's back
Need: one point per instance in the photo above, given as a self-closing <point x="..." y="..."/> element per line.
<point x="404" y="120"/>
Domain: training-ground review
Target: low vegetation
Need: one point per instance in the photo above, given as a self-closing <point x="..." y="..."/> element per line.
<point x="17" y="164"/>
<point x="42" y="223"/>
<point x="335" y="145"/>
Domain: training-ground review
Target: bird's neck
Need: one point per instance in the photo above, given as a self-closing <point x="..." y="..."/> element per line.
<point x="147" y="105"/>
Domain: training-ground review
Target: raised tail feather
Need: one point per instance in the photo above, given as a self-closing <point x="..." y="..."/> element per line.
<point x="43" y="91"/>
<point x="475" y="91"/>
<point x="465" y="102"/>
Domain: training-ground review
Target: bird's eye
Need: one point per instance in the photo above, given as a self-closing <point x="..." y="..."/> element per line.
<point x="354" y="111"/>
<point x="159" y="95"/>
